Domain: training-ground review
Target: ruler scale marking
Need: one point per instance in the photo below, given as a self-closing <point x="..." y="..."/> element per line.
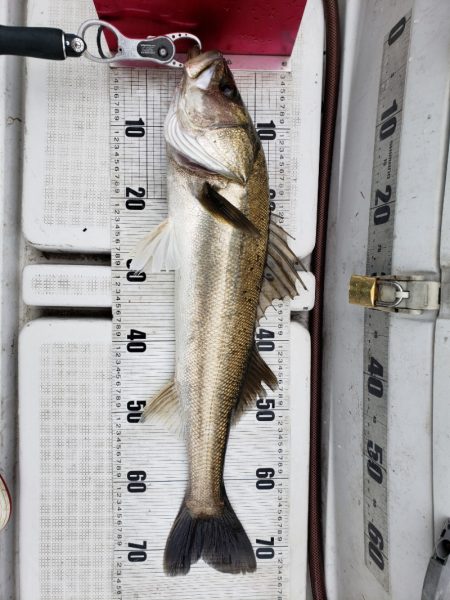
<point x="146" y="457"/>
<point x="377" y="323"/>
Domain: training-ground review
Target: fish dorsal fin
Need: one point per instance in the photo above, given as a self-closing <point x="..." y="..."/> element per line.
<point x="221" y="208"/>
<point x="158" y="251"/>
<point x="165" y="407"/>
<point x="258" y="372"/>
<point x="280" y="275"/>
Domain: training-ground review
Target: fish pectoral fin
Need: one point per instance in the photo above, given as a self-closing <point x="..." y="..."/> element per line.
<point x="221" y="208"/>
<point x="166" y="408"/>
<point x="258" y="372"/>
<point x="158" y="251"/>
<point x="280" y="273"/>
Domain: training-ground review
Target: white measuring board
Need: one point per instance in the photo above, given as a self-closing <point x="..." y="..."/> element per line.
<point x="376" y="323"/>
<point x="149" y="464"/>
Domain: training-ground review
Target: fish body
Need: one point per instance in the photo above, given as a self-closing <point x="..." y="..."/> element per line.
<point x="217" y="236"/>
<point x="217" y="293"/>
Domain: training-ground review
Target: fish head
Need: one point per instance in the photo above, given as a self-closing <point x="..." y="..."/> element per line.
<point x="208" y="123"/>
<point x="210" y="95"/>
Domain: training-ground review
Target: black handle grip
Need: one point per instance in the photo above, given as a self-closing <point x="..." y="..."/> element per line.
<point x="36" y="42"/>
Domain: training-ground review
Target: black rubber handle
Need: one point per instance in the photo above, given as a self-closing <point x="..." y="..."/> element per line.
<point x="36" y="42"/>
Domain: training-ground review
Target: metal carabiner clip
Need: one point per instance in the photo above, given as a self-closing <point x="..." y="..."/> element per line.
<point x="158" y="49"/>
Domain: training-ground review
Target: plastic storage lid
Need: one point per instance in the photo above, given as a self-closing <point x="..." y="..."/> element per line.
<point x="250" y="27"/>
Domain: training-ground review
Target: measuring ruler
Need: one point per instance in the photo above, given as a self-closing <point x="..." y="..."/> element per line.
<point x="377" y="323"/>
<point x="149" y="464"/>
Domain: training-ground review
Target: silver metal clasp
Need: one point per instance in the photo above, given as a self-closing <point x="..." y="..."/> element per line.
<point x="391" y="294"/>
<point x="157" y="49"/>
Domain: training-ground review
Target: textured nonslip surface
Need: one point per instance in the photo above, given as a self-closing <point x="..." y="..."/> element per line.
<point x="66" y="174"/>
<point x="65" y="505"/>
<point x="66" y="285"/>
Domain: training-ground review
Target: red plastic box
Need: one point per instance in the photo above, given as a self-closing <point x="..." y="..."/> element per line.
<point x="243" y="27"/>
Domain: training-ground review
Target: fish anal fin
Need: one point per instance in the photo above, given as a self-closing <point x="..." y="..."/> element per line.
<point x="280" y="274"/>
<point x="258" y="373"/>
<point x="158" y="251"/>
<point x="221" y="208"/>
<point x="165" y="407"/>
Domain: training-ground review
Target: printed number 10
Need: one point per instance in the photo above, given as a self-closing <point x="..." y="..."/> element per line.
<point x="135" y="129"/>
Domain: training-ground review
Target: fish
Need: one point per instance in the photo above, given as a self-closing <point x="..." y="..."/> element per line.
<point x="231" y="260"/>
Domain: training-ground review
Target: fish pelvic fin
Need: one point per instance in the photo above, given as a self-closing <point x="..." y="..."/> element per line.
<point x="165" y="408"/>
<point x="221" y="208"/>
<point x="258" y="373"/>
<point x="220" y="540"/>
<point x="158" y="251"/>
<point x="280" y="274"/>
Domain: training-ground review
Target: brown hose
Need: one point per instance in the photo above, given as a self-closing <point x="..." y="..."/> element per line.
<point x="315" y="549"/>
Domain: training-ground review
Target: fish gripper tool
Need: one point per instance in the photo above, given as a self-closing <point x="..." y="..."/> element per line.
<point x="54" y="44"/>
<point x="157" y="49"/>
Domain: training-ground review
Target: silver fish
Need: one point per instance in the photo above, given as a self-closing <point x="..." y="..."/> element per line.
<point x="231" y="262"/>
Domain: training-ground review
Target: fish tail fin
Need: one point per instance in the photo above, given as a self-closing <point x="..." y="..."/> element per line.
<point x="220" y="540"/>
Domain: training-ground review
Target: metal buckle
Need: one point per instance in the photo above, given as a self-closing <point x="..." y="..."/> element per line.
<point x="410" y="294"/>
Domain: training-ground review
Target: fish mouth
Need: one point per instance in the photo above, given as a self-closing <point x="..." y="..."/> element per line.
<point x="196" y="65"/>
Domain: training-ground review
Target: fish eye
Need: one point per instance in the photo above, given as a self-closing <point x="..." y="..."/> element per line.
<point x="228" y="89"/>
